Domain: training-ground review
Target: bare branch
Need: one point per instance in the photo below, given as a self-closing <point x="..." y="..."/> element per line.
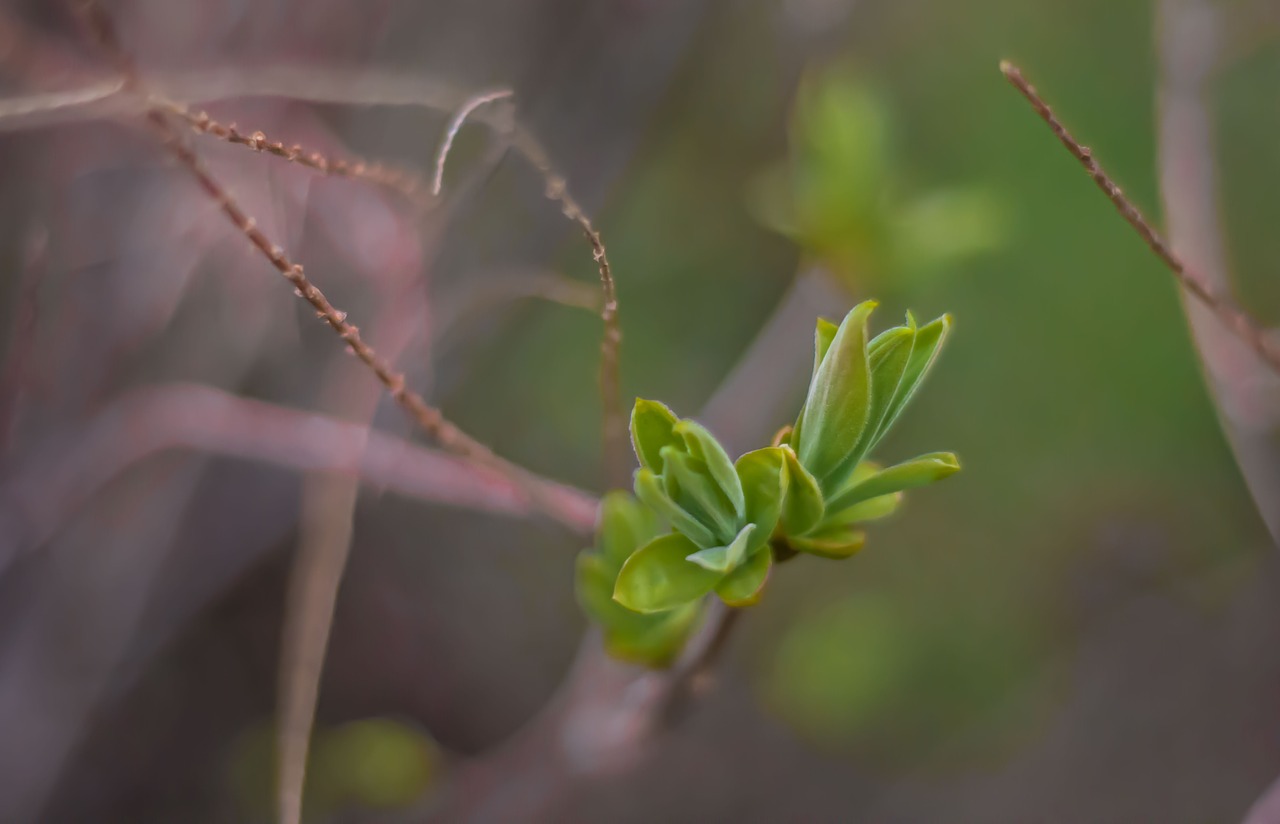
<point x="455" y="124"/>
<point x="57" y="480"/>
<point x="1235" y="319"/>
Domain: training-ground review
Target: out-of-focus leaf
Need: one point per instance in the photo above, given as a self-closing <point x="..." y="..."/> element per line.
<point x="624" y="525"/>
<point x="942" y="227"/>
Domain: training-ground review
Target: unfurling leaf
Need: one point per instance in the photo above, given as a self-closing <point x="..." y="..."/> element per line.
<point x="835" y="413"/>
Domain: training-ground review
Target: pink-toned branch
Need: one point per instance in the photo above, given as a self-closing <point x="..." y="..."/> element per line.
<point x="1246" y="391"/>
<point x="56" y="480"/>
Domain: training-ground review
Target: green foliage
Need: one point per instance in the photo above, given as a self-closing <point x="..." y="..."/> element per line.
<point x="653" y="639"/>
<point x="840" y="195"/>
<point x="731" y="521"/>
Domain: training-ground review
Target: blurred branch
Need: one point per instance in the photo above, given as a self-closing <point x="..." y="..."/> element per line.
<point x="1267" y="808"/>
<point x="56" y="480"/>
<point x="1238" y="321"/>
<point x="1247" y="394"/>
<point x="13" y="375"/>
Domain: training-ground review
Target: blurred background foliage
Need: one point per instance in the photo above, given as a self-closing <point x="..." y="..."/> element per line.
<point x="1083" y="620"/>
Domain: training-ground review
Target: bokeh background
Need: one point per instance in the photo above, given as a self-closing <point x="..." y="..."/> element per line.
<point x="1081" y="626"/>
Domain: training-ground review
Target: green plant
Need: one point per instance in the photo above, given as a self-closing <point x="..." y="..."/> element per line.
<point x="731" y="521"/>
<point x="843" y="196"/>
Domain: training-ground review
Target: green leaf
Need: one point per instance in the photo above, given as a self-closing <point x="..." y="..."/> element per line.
<point x="652" y="427"/>
<point x="650" y="491"/>
<point x="725" y="559"/>
<point x="703" y="446"/>
<point x="835" y="413"/>
<point x="802" y="507"/>
<point x="658" y="578"/>
<point x="837" y="543"/>
<point x="928" y="340"/>
<point x="691" y="486"/>
<point x="764" y="485"/>
<point x="744" y="586"/>
<point x="624" y="525"/>
<point x="869" y="510"/>
<point x="907" y="475"/>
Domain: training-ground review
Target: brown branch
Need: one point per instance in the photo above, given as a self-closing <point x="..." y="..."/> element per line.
<point x="57" y="480"/>
<point x="401" y="180"/>
<point x="430" y="419"/>
<point x="1237" y="320"/>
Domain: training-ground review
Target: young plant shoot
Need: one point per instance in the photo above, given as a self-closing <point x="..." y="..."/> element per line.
<point x="728" y="522"/>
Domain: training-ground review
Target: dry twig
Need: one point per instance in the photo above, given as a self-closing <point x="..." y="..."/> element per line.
<point x="402" y="180"/>
<point x="1238" y="321"/>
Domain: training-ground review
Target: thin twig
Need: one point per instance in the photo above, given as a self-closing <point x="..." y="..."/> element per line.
<point x="455" y="124"/>
<point x="615" y="428"/>
<point x="402" y="180"/>
<point x="1237" y="320"/>
<point x="430" y="419"/>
